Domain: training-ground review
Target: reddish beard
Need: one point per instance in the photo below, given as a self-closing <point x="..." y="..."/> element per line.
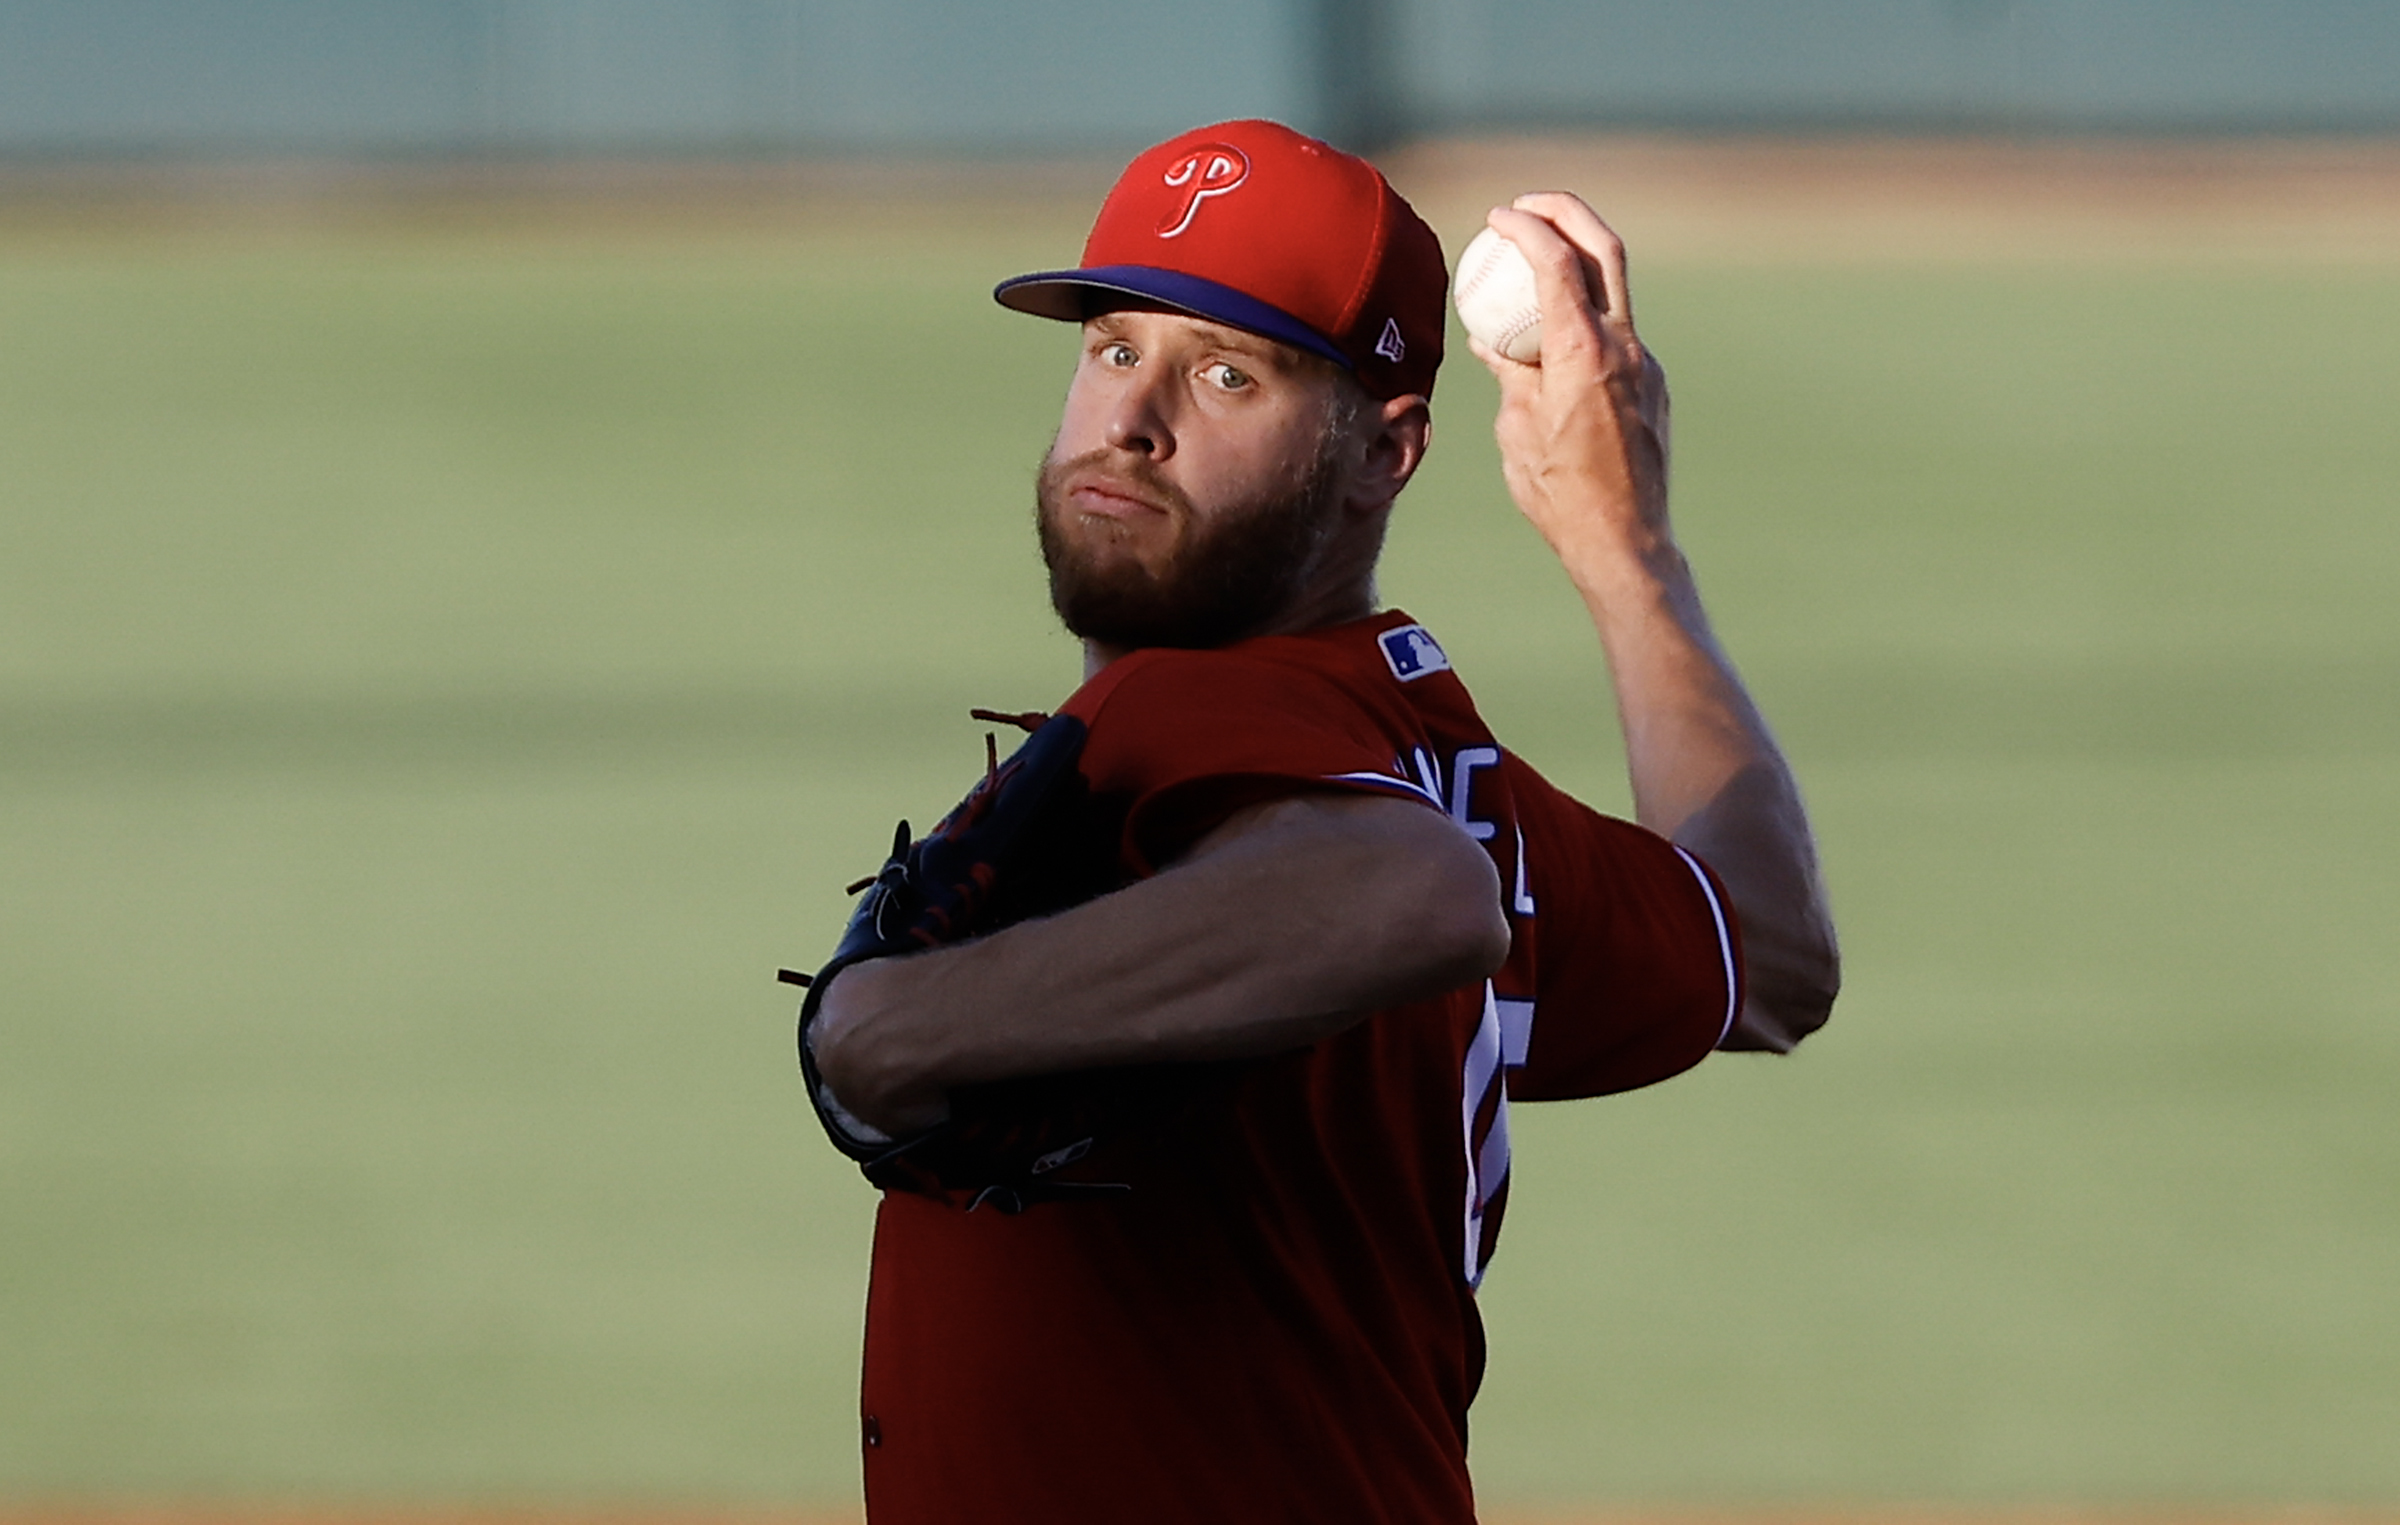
<point x="1222" y="578"/>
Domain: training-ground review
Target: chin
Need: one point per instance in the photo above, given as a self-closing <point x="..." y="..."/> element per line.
<point x="1113" y="548"/>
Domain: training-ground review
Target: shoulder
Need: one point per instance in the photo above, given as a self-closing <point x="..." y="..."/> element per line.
<point x="1179" y="714"/>
<point x="1188" y="737"/>
<point x="1366" y="668"/>
<point x="1148" y="677"/>
<point x="1192" y="698"/>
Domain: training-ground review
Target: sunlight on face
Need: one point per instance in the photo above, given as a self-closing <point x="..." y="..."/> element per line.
<point x="1196" y="477"/>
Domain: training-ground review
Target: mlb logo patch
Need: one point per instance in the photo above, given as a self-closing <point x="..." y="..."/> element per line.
<point x="1412" y="652"/>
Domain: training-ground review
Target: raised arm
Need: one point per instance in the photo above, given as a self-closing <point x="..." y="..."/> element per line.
<point x="1286" y="924"/>
<point x="1584" y="443"/>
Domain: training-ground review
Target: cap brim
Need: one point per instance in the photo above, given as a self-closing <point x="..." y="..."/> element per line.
<point x="1068" y="296"/>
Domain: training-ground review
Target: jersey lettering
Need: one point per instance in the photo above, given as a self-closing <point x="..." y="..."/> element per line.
<point x="1462" y="786"/>
<point x="1483" y="1117"/>
<point x="1458" y="802"/>
<point x="1501" y="1038"/>
<point x="1521" y="900"/>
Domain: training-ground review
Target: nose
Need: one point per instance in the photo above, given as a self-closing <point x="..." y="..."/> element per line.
<point x="1141" y="416"/>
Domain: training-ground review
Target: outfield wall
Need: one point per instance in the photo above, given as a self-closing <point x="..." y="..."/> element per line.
<point x="85" y="77"/>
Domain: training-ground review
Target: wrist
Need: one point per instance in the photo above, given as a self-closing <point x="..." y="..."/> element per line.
<point x="1585" y="518"/>
<point x="860" y="1043"/>
<point x="1626" y="567"/>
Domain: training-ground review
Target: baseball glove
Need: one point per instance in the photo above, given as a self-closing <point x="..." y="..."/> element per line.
<point x="1027" y="841"/>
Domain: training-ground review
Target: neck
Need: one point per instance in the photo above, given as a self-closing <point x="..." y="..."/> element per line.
<point x="1314" y="610"/>
<point x="1340" y="588"/>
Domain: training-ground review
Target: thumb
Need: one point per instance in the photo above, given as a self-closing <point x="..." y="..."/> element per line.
<point x="1520" y="381"/>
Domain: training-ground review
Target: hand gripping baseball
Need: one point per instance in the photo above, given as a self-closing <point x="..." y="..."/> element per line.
<point x="1584" y="432"/>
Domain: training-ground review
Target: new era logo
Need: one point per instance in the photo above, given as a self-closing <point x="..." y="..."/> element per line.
<point x="1412" y="652"/>
<point x="1391" y="346"/>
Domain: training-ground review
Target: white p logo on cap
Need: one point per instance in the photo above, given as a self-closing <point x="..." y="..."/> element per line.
<point x="1212" y="169"/>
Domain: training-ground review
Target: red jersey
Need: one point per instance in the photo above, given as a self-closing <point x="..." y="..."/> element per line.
<point x="1279" y="1323"/>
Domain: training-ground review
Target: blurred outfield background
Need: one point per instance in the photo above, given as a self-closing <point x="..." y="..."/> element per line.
<point x="461" y="621"/>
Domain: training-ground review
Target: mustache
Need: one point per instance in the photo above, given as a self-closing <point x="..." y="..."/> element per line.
<point x="1114" y="471"/>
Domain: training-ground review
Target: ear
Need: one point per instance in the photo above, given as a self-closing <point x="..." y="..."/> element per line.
<point x="1396" y="433"/>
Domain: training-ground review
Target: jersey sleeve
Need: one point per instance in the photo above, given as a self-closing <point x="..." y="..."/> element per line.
<point x="1189" y="738"/>
<point x="1638" y="959"/>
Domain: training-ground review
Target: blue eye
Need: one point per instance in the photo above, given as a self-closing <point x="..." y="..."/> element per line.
<point x="1229" y="377"/>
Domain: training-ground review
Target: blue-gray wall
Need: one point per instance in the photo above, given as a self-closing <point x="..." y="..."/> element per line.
<point x="2068" y="64"/>
<point x="347" y="76"/>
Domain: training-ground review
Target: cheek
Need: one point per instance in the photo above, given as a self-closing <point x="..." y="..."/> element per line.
<point x="1269" y="469"/>
<point x="1083" y="416"/>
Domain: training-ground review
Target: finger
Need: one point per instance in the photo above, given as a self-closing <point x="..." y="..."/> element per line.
<point x="1593" y="290"/>
<point x="1581" y="226"/>
<point x="1498" y="361"/>
<point x="1491" y="357"/>
<point x="1570" y="320"/>
<point x="1574" y="218"/>
<point x="1513" y="375"/>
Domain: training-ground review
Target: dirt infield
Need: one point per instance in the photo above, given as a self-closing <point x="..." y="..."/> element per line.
<point x="1881" y="1514"/>
<point x="1846" y="199"/>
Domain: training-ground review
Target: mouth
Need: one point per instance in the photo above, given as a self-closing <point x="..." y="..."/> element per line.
<point x="1107" y="498"/>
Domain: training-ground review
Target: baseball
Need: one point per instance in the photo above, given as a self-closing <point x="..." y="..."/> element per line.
<point x="1495" y="297"/>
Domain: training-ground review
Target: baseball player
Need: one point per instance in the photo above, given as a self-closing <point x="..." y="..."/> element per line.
<point x="1185" y="1047"/>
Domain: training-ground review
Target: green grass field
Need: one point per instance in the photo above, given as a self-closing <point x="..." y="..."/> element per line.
<point x="441" y="677"/>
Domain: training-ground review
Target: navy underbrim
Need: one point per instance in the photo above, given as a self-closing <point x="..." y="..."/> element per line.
<point x="1066" y="295"/>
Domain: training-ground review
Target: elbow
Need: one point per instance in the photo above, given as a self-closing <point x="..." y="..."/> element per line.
<point x="1789" y="998"/>
<point x="1468" y="946"/>
<point x="1460" y="934"/>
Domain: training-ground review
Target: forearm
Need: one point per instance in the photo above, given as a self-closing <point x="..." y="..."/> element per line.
<point x="1689" y="725"/>
<point x="1707" y="774"/>
<point x="1279" y="930"/>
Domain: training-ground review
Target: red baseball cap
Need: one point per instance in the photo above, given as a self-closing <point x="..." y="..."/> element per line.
<point x="1254" y="225"/>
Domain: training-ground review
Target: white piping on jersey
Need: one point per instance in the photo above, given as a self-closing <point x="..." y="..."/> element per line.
<point x="1427" y="785"/>
<point x="1405" y="785"/>
<point x="1733" y="994"/>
